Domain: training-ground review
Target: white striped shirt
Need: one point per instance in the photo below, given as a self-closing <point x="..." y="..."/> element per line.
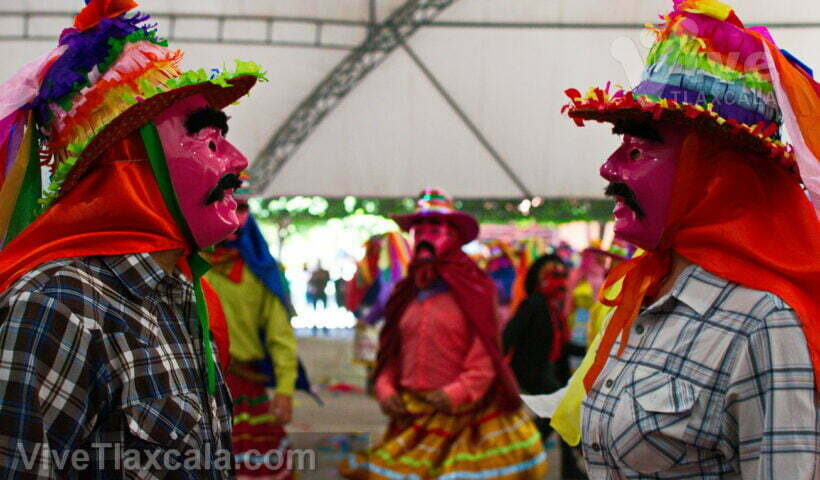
<point x="716" y="382"/>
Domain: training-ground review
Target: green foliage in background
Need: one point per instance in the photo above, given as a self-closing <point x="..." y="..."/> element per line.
<point x="305" y="212"/>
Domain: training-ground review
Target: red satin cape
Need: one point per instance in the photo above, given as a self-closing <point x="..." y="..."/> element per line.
<point x="218" y="323"/>
<point x="115" y="209"/>
<point x="740" y="217"/>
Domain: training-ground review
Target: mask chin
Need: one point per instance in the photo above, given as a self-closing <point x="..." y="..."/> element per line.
<point x="644" y="232"/>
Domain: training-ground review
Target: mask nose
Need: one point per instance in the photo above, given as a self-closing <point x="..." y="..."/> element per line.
<point x="608" y="170"/>
<point x="236" y="161"/>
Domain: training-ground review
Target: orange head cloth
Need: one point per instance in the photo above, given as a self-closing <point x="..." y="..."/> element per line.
<point x="97" y="10"/>
<point x="740" y="217"/>
<point x="116" y="209"/>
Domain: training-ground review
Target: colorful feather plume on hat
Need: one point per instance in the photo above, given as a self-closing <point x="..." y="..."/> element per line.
<point x="51" y="109"/>
<point x="707" y="69"/>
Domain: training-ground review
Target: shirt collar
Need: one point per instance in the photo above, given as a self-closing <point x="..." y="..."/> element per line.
<point x="138" y="272"/>
<point x="696" y="288"/>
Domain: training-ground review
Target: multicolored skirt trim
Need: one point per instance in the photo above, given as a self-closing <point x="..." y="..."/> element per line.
<point x="479" y="442"/>
<point x="260" y="444"/>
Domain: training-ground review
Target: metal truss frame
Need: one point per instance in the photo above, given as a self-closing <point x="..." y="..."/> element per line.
<point x="24" y="30"/>
<point x="477" y="133"/>
<point x="381" y="41"/>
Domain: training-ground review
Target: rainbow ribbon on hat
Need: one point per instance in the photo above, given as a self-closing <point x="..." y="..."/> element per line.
<point x="797" y="94"/>
<point x="435" y="200"/>
<point x="20" y="184"/>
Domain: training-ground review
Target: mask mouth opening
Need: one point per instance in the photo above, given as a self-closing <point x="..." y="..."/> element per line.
<point x="425" y="250"/>
<point x="621" y="192"/>
<point x="228" y="183"/>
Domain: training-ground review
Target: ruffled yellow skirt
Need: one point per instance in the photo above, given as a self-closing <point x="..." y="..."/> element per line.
<point x="477" y="442"/>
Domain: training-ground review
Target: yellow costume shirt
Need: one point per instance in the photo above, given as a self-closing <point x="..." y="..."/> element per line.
<point x="250" y="308"/>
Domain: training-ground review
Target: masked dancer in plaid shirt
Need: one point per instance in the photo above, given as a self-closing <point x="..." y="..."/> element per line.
<point x="106" y="364"/>
<point x="708" y="367"/>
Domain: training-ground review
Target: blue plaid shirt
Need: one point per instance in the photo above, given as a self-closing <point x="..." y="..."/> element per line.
<point x="716" y="382"/>
<point x="101" y="376"/>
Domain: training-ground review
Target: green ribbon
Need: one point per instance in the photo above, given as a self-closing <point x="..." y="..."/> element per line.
<point x="198" y="268"/>
<point x="26" y="207"/>
<point x="197" y="264"/>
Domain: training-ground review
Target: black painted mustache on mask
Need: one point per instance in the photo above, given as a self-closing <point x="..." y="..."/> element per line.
<point x="622" y="190"/>
<point x="227" y="182"/>
<point x="425" y="246"/>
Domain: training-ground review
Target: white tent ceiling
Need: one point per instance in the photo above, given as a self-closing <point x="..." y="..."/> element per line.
<point x="505" y="68"/>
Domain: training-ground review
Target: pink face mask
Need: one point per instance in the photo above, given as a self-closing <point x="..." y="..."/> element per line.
<point x="202" y="164"/>
<point x="436" y="233"/>
<point x="641" y="173"/>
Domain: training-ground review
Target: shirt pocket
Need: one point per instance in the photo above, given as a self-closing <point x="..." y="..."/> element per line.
<point x="649" y="426"/>
<point x="170" y="424"/>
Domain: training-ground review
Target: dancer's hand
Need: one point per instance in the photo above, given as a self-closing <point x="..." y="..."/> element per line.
<point x="440" y="400"/>
<point x="281" y="407"/>
<point x="394" y="406"/>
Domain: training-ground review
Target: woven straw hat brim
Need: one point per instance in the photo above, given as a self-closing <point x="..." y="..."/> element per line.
<point x="143" y="112"/>
<point x="732" y="134"/>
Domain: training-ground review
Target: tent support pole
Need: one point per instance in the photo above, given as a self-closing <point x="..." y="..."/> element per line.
<point x="381" y="40"/>
<point x="468" y="122"/>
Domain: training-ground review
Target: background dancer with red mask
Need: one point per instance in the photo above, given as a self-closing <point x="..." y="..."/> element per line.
<point x="452" y="400"/>
<point x="536" y="339"/>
